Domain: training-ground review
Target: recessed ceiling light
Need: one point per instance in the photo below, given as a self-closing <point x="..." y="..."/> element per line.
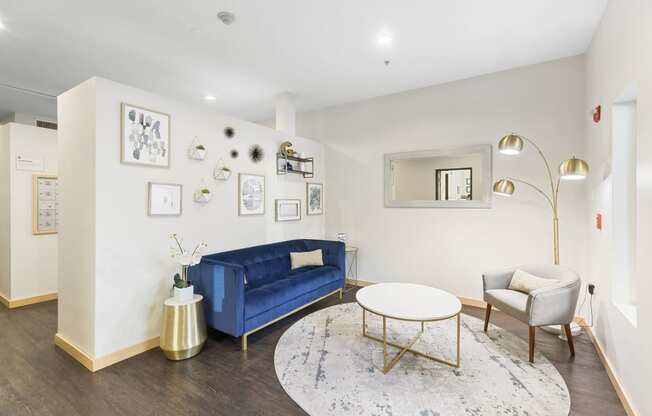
<point x="385" y="39"/>
<point x="2" y="26"/>
<point x="210" y="98"/>
<point x="226" y="17"/>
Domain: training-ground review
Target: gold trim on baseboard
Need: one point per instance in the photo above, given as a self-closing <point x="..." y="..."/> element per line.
<point x="476" y="303"/>
<point x="465" y="301"/>
<point x="123" y="354"/>
<point x="355" y="282"/>
<point x="607" y="365"/>
<point x="95" y="364"/>
<point x="73" y="351"/>
<point x="4" y="300"/>
<point x="17" y="303"/>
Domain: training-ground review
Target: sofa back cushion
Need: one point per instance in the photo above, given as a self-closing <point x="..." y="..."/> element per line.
<point x="263" y="262"/>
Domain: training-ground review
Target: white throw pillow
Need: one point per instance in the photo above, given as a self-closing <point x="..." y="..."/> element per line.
<point x="306" y="258"/>
<point x="525" y="282"/>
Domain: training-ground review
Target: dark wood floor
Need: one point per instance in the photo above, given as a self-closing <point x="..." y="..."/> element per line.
<point x="36" y="378"/>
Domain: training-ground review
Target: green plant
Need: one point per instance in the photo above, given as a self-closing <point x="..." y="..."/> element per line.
<point x="226" y="169"/>
<point x="200" y="147"/>
<point x="205" y="191"/>
<point x="179" y="283"/>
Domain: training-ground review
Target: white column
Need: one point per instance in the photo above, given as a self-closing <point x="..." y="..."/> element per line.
<point x="286" y="114"/>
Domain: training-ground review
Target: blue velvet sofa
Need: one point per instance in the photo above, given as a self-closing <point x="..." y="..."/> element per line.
<point x="245" y="290"/>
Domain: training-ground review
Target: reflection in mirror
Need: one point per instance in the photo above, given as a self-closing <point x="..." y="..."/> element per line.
<point x="454" y="184"/>
<point x="439" y="178"/>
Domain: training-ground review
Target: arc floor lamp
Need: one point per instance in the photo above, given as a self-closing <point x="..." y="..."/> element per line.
<point x="570" y="169"/>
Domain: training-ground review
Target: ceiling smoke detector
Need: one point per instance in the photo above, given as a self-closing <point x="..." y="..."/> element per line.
<point x="226" y="17"/>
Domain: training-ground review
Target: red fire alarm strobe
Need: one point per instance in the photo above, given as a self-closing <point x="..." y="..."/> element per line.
<point x="598" y="221"/>
<point x="597" y="111"/>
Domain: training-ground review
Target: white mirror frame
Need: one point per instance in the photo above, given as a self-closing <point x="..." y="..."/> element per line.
<point x="487" y="175"/>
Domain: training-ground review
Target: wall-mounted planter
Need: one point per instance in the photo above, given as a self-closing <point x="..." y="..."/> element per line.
<point x="221" y="172"/>
<point x="203" y="195"/>
<point x="197" y="151"/>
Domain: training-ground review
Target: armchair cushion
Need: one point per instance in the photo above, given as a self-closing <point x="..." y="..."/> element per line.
<point x="525" y="282"/>
<point x="511" y="302"/>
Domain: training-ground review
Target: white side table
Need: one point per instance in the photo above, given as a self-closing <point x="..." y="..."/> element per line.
<point x="351" y="265"/>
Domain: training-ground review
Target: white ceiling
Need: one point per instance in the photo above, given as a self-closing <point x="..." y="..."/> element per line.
<point x="323" y="51"/>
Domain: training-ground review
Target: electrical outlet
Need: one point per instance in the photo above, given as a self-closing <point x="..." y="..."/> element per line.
<point x="591" y="288"/>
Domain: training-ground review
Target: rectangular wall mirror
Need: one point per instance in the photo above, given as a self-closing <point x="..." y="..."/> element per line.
<point x="446" y="178"/>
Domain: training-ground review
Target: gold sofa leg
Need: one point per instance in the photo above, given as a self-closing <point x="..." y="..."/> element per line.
<point x="244" y="343"/>
<point x="340" y="294"/>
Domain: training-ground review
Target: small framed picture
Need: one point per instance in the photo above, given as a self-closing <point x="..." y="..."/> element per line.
<point x="251" y="194"/>
<point x="145" y="137"/>
<point x="314" y="198"/>
<point x="288" y="209"/>
<point x="164" y="199"/>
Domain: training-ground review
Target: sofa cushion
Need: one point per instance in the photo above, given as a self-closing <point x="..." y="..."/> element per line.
<point x="509" y="301"/>
<point x="306" y="258"/>
<point x="262" y="297"/>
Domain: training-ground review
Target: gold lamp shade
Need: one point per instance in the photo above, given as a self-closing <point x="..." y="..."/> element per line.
<point x="573" y="169"/>
<point x="504" y="187"/>
<point x="512" y="144"/>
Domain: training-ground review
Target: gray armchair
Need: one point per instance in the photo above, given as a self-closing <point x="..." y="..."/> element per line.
<point x="551" y="305"/>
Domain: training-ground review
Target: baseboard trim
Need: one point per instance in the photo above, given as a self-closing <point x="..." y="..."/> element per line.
<point x="476" y="303"/>
<point x="615" y="381"/>
<point x="17" y="303"/>
<point x="123" y="354"/>
<point x="4" y="300"/>
<point x="359" y="283"/>
<point x="74" y="351"/>
<point x="96" y="364"/>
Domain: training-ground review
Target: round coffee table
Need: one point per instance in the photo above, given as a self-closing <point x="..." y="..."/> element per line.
<point x="408" y="302"/>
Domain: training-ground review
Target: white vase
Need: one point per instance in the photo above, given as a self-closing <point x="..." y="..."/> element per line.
<point x="184" y="295"/>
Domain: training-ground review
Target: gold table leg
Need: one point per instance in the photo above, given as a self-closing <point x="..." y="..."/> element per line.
<point x="408" y="348"/>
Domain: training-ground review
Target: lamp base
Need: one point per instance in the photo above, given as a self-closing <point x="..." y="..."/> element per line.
<point x="558" y="330"/>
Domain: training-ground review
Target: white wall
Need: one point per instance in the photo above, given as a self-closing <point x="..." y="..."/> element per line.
<point x="76" y="312"/>
<point x="131" y="270"/>
<point x="29" y="261"/>
<point x="451" y="248"/>
<point x="619" y="58"/>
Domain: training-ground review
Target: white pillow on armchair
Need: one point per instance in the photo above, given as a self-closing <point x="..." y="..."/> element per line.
<point x="525" y="282"/>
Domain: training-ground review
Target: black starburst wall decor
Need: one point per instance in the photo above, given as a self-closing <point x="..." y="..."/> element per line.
<point x="234" y="153"/>
<point x="256" y="153"/>
<point x="229" y="132"/>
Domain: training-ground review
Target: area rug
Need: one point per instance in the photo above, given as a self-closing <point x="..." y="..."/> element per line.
<point x="328" y="368"/>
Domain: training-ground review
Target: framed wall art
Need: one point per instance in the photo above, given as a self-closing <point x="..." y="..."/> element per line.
<point x="314" y="198"/>
<point x="45" y="204"/>
<point x="145" y="137"/>
<point x="251" y="194"/>
<point x="288" y="209"/>
<point x="164" y="199"/>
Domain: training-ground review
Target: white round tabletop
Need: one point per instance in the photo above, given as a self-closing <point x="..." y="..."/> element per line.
<point x="408" y="301"/>
<point x="173" y="302"/>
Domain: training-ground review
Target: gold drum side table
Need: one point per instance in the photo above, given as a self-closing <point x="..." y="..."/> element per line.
<point x="183" y="332"/>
